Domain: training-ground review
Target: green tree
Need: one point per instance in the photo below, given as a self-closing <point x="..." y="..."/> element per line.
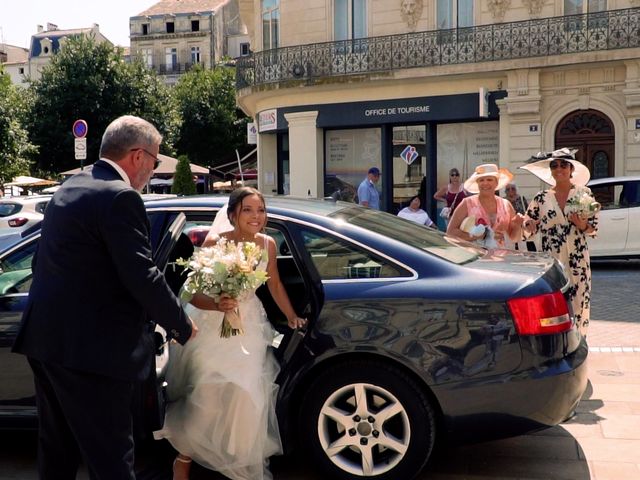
<point x="183" y="183"/>
<point x="91" y="81"/>
<point x="15" y="149"/>
<point x="212" y="125"/>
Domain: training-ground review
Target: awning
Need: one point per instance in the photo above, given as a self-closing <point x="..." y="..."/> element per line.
<point x="24" y="181"/>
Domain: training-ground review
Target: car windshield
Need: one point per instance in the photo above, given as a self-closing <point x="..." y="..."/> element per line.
<point x="410" y="233"/>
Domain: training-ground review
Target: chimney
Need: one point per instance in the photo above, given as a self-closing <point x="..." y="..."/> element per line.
<point x="51" y="26"/>
<point x="40" y="29"/>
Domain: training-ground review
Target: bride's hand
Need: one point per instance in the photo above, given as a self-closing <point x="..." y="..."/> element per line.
<point x="227" y="303"/>
<point x="297" y="322"/>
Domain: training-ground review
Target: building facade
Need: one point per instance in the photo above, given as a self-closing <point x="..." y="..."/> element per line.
<point x="416" y="87"/>
<point x="15" y="62"/>
<point x="47" y="42"/>
<point x="174" y="35"/>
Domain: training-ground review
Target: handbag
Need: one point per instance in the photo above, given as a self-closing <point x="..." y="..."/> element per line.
<point x="446" y="211"/>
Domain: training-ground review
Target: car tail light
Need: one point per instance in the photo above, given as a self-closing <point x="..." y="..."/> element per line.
<point x="540" y="315"/>
<point x="17" y="222"/>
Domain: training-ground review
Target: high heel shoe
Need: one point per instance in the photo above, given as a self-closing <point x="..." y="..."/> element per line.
<point x="181" y="467"/>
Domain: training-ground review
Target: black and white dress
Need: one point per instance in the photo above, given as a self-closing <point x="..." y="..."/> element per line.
<point x="565" y="242"/>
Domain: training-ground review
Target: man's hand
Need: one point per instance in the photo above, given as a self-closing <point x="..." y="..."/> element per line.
<point x="194" y="328"/>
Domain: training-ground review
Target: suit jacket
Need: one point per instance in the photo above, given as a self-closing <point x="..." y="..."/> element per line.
<point x="95" y="286"/>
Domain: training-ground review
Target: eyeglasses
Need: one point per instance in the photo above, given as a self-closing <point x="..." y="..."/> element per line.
<point x="454" y="174"/>
<point x="561" y="164"/>
<point x="156" y="160"/>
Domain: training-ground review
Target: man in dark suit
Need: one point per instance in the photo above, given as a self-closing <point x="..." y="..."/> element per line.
<point x="87" y="328"/>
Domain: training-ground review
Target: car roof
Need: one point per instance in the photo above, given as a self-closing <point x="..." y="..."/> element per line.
<point x="25" y="199"/>
<point x="627" y="178"/>
<point x="301" y="208"/>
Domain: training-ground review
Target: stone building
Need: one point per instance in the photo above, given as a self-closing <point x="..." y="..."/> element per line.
<point x="416" y="87"/>
<point x="173" y="35"/>
<point x="47" y="42"/>
<point x="15" y="62"/>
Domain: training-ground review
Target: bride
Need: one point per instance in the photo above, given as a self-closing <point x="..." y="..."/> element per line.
<point x="222" y="391"/>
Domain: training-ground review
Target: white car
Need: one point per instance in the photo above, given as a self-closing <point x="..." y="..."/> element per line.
<point x="18" y="214"/>
<point x="619" y="220"/>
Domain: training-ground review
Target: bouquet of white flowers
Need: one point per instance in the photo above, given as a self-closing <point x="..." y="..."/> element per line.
<point x="584" y="205"/>
<point x="225" y="268"/>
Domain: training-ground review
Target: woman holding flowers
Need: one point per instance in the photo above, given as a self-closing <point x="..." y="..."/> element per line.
<point x="496" y="214"/>
<point x="222" y="389"/>
<point x="565" y="215"/>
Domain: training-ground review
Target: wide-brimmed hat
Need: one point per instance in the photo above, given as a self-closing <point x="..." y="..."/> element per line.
<point x="539" y="166"/>
<point x="503" y="176"/>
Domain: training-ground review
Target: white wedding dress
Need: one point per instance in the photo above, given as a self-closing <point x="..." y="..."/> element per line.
<point x="222" y="394"/>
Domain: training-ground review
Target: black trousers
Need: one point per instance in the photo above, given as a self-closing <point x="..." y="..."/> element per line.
<point x="83" y="416"/>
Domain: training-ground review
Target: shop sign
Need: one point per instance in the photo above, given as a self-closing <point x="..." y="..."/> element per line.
<point x="268" y="120"/>
<point x="409" y="154"/>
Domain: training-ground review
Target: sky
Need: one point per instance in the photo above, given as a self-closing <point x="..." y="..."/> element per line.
<point x="19" y="18"/>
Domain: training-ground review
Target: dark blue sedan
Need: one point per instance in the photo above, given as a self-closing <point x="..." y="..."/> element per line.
<point x="414" y="338"/>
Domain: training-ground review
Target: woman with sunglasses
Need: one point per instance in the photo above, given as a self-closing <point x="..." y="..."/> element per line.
<point x="564" y="232"/>
<point x="452" y="194"/>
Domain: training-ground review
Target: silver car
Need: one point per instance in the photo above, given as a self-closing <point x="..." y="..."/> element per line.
<point x="18" y="214"/>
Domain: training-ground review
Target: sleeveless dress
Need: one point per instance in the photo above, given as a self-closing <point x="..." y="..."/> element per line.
<point x="499" y="222"/>
<point x="222" y="394"/>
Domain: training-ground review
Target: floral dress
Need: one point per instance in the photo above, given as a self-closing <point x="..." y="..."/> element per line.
<point x="565" y="242"/>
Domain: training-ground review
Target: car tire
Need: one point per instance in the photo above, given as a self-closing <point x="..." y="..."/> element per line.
<point x="364" y="418"/>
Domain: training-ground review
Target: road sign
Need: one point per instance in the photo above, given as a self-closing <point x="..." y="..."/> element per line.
<point x="81" y="148"/>
<point x="79" y="129"/>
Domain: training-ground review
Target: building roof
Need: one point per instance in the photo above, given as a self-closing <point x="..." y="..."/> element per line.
<point x="164" y="7"/>
<point x="62" y="33"/>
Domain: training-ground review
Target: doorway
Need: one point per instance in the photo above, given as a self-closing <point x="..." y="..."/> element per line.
<point x="592" y="133"/>
<point x="409" y="165"/>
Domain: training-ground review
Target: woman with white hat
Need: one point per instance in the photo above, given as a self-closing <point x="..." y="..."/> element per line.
<point x="564" y="215"/>
<point x="486" y="208"/>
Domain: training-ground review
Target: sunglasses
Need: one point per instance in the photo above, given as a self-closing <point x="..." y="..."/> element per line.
<point x="561" y="164"/>
<point x="156" y="160"/>
<point x="454" y="174"/>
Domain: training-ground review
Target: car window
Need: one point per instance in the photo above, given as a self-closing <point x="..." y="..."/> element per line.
<point x="410" y="233"/>
<point x="15" y="270"/>
<point x="617" y="195"/>
<point x="41" y="206"/>
<point x="336" y="259"/>
<point x="8" y="208"/>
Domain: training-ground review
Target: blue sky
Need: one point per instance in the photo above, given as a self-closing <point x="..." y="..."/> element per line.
<point x="19" y="18"/>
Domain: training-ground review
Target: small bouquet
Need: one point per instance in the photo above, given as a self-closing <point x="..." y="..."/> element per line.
<point x="225" y="268"/>
<point x="480" y="229"/>
<point x="584" y="205"/>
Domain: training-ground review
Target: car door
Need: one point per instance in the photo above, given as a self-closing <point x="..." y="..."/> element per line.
<point x="17" y="393"/>
<point x="630" y="198"/>
<point x="613" y="225"/>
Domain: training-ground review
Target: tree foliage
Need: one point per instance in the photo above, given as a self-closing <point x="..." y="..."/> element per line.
<point x="15" y="148"/>
<point x="212" y="126"/>
<point x="91" y="81"/>
<point x="183" y="183"/>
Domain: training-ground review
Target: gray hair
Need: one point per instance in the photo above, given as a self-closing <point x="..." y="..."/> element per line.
<point x="125" y="133"/>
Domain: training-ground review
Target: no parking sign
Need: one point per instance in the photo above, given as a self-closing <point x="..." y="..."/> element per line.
<point x="79" y="130"/>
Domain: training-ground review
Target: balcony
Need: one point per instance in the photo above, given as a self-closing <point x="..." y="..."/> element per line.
<point x="601" y="31"/>
<point x="174" y="68"/>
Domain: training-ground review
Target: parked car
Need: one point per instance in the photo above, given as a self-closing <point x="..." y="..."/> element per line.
<point x="619" y="220"/>
<point x="414" y="338"/>
<point x="18" y="214"/>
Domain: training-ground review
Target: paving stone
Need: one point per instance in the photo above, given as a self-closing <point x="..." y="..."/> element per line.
<point x="615" y="471"/>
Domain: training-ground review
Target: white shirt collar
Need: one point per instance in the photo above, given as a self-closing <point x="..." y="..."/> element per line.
<point x="119" y="169"/>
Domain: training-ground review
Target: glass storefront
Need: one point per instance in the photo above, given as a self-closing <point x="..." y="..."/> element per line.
<point x="409" y="164"/>
<point x="349" y="155"/>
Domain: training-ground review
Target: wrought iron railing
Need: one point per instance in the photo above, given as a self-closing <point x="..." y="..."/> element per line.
<point x="610" y="30"/>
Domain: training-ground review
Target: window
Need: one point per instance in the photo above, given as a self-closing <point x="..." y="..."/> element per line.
<point x="147" y="56"/>
<point x="21" y="70"/>
<point x="336" y="259"/>
<point x="270" y="24"/>
<point x="454" y="14"/>
<point x="575" y="7"/>
<point x="145" y="29"/>
<point x="195" y="55"/>
<point x="171" y="27"/>
<point x="15" y="270"/>
<point x="195" y="25"/>
<point x="171" y="58"/>
<point x="244" y="49"/>
<point x="349" y="19"/>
